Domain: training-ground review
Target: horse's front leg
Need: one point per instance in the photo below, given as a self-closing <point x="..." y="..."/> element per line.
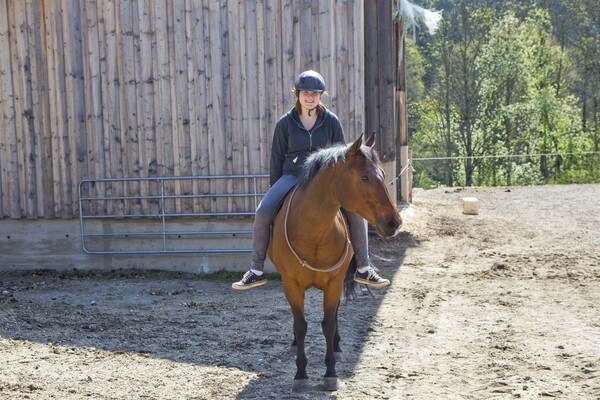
<point x="331" y="300"/>
<point x="295" y="298"/>
<point x="294" y="346"/>
<point x="336" y="338"/>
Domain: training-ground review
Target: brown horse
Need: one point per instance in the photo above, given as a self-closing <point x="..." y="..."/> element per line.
<point x="310" y="244"/>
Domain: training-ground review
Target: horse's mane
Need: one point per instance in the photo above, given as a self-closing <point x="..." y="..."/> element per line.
<point x="327" y="157"/>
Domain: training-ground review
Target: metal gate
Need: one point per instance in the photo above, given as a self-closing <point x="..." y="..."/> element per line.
<point x="160" y="215"/>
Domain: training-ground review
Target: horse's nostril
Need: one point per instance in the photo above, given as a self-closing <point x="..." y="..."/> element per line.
<point x="393" y="224"/>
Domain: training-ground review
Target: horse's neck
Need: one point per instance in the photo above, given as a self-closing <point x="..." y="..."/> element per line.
<point x="316" y="207"/>
<point x="314" y="231"/>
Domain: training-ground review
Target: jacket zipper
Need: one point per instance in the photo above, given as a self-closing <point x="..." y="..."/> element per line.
<point x="310" y="132"/>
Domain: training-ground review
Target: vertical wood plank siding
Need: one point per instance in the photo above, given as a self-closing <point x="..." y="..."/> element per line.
<point x="380" y="65"/>
<point x="143" y="88"/>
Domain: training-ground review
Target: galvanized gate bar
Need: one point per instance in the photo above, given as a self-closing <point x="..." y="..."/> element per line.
<point x="162" y="217"/>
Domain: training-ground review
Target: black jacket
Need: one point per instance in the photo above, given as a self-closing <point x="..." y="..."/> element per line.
<point x="292" y="143"/>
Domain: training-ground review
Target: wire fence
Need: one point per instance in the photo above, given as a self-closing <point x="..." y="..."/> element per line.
<point x="408" y="167"/>
<point x="507" y="156"/>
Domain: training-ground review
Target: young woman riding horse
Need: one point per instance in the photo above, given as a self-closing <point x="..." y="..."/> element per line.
<point x="310" y="244"/>
<point x="306" y="128"/>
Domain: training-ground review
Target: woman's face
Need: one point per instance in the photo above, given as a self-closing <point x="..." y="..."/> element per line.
<point x="309" y="100"/>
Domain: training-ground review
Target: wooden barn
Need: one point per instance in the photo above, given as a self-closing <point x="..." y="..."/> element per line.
<point x="137" y="133"/>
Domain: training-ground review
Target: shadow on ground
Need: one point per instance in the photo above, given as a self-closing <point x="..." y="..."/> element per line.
<point x="187" y="319"/>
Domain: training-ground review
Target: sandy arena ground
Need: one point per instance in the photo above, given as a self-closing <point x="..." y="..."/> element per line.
<point x="501" y="305"/>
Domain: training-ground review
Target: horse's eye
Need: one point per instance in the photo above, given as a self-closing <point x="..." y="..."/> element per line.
<point x="365" y="178"/>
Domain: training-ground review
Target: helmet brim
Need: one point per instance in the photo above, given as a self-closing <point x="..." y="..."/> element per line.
<point x="309" y="90"/>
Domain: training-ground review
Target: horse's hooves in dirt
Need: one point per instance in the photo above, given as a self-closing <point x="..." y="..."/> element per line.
<point x="300" y="385"/>
<point x="339" y="356"/>
<point x="330" y="383"/>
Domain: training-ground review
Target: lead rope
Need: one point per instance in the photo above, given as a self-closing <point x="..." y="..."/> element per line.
<point x="303" y="262"/>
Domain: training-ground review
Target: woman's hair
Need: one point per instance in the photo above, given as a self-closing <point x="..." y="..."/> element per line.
<point x="298" y="106"/>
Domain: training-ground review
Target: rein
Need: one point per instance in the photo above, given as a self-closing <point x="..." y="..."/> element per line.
<point x="303" y="262"/>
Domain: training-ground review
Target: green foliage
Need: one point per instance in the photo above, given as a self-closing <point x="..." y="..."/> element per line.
<point x="579" y="175"/>
<point x="498" y="84"/>
<point x="425" y="181"/>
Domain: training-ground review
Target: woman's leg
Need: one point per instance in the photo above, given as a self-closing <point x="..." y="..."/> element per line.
<point x="360" y="242"/>
<point x="262" y="219"/>
<point x="359" y="239"/>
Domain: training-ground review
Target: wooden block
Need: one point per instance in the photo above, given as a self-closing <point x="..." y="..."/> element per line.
<point x="470" y="205"/>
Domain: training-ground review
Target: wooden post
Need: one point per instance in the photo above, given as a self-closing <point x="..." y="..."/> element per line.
<point x="402" y="154"/>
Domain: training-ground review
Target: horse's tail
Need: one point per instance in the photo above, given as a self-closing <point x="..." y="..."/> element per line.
<point x="349" y="284"/>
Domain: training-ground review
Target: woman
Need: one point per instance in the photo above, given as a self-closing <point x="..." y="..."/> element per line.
<point x="307" y="127"/>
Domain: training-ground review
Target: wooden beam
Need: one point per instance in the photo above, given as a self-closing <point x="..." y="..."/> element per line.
<point x="402" y="161"/>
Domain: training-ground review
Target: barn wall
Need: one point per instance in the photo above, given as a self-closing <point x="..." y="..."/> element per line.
<point x="380" y="66"/>
<point x="126" y="88"/>
<point x="30" y="244"/>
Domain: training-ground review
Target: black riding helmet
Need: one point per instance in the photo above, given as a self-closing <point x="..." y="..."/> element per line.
<point x="310" y="81"/>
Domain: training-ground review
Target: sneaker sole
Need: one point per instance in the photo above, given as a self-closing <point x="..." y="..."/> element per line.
<point x="374" y="284"/>
<point x="248" y="286"/>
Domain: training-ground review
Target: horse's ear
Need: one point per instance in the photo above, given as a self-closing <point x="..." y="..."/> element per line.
<point x="355" y="148"/>
<point x="370" y="141"/>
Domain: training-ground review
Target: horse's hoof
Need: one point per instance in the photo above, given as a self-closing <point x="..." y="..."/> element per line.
<point x="330" y="383"/>
<point x="339" y="356"/>
<point x="300" y="385"/>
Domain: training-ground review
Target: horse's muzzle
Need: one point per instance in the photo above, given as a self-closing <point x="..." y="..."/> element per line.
<point x="389" y="228"/>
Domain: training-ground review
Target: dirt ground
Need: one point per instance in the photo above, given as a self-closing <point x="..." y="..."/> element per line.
<point x="500" y="305"/>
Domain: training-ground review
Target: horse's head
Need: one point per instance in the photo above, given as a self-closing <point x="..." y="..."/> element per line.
<point x="363" y="190"/>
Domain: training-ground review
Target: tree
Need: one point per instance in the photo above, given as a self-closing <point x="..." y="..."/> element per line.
<point x="522" y="71"/>
<point x="454" y="99"/>
<point x="505" y="81"/>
